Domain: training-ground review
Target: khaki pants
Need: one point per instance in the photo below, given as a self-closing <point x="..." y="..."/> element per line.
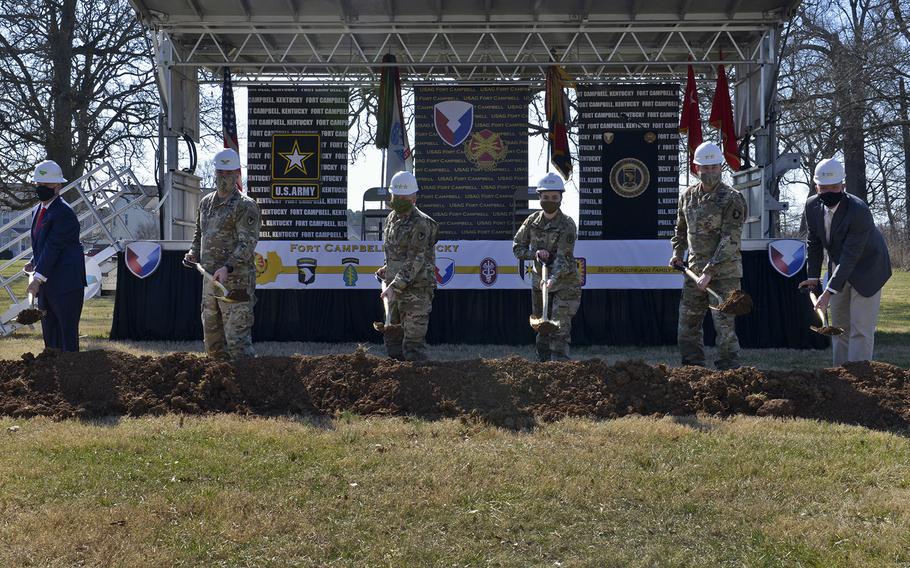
<point x="858" y="315"/>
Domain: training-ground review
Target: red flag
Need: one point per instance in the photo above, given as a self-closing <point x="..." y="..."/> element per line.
<point x="722" y="118"/>
<point x="690" y="121"/>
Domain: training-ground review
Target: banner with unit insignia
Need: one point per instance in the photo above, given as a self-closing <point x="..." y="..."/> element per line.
<point x="460" y="265"/>
<point x="471" y="154"/>
<point x="629" y="160"/>
<point x="297" y="156"/>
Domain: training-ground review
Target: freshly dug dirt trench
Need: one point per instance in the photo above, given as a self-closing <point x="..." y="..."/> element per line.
<point x="513" y="392"/>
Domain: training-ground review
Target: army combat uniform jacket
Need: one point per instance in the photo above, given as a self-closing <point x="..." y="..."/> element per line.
<point x="226" y="235"/>
<point x="409" y="243"/>
<point x="557" y="236"/>
<point x="710" y="225"/>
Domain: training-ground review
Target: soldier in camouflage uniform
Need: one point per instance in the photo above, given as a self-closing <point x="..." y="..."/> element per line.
<point x="709" y="224"/>
<point x="548" y="237"/>
<point x="227" y="230"/>
<point x="409" y="273"/>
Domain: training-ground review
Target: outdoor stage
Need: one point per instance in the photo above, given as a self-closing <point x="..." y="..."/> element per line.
<point x="165" y="306"/>
<point x="472" y="72"/>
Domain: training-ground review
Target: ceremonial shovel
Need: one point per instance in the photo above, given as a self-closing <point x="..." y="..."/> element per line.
<point x="32" y="314"/>
<point x="737" y="302"/>
<point x="232" y="297"/>
<point x="542" y="325"/>
<point x="825" y="329"/>
<point x="387" y="326"/>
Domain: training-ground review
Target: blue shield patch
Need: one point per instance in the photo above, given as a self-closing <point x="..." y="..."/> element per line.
<point x="787" y="256"/>
<point x="143" y="258"/>
<point x="454" y="121"/>
<point x="445" y="270"/>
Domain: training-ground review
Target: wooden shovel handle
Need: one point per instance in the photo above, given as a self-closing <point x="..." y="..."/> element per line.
<point x="694" y="278"/>
<point x="385" y="306"/>
<point x="545" y="292"/>
<point x="210" y="278"/>
<point x="821" y="313"/>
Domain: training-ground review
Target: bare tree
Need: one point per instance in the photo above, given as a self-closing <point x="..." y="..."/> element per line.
<point x="838" y="70"/>
<point x="76" y="86"/>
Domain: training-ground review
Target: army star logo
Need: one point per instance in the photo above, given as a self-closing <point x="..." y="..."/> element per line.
<point x="296" y="159"/>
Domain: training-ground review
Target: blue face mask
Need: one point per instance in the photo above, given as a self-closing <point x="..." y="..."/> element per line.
<point x="831" y="198"/>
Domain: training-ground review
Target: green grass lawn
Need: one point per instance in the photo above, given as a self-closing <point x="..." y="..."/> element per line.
<point x="349" y="491"/>
<point x="230" y="491"/>
<point x="894" y="314"/>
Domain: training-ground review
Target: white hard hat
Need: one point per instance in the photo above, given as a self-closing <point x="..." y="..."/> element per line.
<point x="48" y="172"/>
<point x="227" y="160"/>
<point x="829" y="172"/>
<point x="403" y="183"/>
<point x="708" y="154"/>
<point x="551" y="182"/>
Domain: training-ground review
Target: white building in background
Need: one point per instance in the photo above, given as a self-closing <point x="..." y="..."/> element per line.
<point x="9" y="235"/>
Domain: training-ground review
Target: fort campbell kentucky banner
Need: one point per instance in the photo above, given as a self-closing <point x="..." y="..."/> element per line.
<point x="461" y="265"/>
<point x="297" y="156"/>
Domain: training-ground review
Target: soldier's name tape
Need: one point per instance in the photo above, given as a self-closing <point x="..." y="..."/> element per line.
<point x="461" y="265"/>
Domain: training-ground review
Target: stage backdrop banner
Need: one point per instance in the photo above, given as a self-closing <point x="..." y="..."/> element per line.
<point x="460" y="265"/>
<point x="629" y="160"/>
<point x="297" y="157"/>
<point x="471" y="153"/>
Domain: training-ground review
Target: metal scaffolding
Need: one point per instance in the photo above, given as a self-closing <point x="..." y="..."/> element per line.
<point x="477" y="41"/>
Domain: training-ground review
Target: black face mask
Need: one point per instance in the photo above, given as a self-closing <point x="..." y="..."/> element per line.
<point x="44" y="192"/>
<point x="831" y="198"/>
<point x="549" y="206"/>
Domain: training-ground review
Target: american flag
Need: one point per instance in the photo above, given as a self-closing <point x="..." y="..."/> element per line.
<point x="229" y="117"/>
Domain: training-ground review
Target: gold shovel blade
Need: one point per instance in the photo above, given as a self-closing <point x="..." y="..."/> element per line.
<point x="827" y="330"/>
<point x="393" y="331"/>
<point x="543" y="326"/>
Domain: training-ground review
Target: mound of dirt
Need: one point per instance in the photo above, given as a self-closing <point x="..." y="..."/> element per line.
<point x="513" y="392"/>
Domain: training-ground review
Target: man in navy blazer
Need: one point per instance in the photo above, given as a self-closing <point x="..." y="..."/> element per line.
<point x="58" y="260"/>
<point x="858" y="262"/>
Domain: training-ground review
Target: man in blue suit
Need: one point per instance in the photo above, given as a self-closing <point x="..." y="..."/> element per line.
<point x="858" y="263"/>
<point x="58" y="260"/>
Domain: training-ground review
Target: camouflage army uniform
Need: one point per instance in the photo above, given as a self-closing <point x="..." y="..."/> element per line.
<point x="710" y="225"/>
<point x="226" y="235"/>
<point x="409" y="242"/>
<point x="556" y="235"/>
